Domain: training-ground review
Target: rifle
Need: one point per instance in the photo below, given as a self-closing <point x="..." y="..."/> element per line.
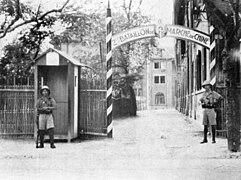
<point x="38" y="134"/>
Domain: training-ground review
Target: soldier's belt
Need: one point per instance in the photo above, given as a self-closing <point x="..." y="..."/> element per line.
<point x="207" y="106"/>
<point x="46" y="113"/>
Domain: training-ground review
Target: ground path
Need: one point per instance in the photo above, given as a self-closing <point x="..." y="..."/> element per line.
<point x="157" y="144"/>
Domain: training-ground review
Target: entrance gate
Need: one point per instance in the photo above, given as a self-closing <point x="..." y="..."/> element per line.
<point x="137" y="33"/>
<point x="92" y="104"/>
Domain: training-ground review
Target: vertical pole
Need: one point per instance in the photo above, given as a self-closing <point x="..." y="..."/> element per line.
<point x="35" y="97"/>
<point x="109" y="72"/>
<point x="101" y="61"/>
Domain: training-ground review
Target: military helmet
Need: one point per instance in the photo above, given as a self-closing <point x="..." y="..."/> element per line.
<point x="44" y="87"/>
<point x="205" y="83"/>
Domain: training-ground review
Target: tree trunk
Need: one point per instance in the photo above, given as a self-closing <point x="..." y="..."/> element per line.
<point x="233" y="119"/>
<point x="232" y="99"/>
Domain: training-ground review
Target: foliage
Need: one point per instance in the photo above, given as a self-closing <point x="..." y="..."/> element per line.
<point x="85" y="33"/>
<point x="132" y="56"/>
<point x="226" y="19"/>
<point x="88" y="30"/>
<point x="15" y="14"/>
<point x="33" y="27"/>
<point x="15" y="64"/>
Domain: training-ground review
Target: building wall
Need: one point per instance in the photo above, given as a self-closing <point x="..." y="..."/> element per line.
<point x="156" y="86"/>
<point x="146" y="98"/>
<point x="200" y="64"/>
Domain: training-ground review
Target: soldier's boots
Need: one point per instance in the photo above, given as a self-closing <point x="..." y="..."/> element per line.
<point x="205" y="133"/>
<point x="41" y="136"/>
<point x="51" y="137"/>
<point x="213" y="133"/>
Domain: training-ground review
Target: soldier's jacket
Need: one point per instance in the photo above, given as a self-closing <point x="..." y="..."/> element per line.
<point x="42" y="102"/>
<point x="209" y="99"/>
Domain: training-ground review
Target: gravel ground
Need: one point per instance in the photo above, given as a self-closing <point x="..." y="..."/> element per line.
<point x="157" y="144"/>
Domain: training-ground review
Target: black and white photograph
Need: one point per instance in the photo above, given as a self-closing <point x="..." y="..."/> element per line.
<point x="120" y="89"/>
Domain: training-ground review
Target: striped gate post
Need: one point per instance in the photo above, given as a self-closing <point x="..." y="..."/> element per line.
<point x="109" y="72"/>
<point x="213" y="56"/>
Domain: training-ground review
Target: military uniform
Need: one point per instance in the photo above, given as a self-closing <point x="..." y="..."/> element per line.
<point x="209" y="101"/>
<point x="46" y="120"/>
<point x="45" y="106"/>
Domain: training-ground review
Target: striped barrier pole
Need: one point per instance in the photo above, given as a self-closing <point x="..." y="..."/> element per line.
<point x="213" y="55"/>
<point x="109" y="72"/>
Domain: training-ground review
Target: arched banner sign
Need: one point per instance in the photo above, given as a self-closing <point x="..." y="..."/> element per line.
<point x="179" y="32"/>
<point x="182" y="32"/>
<point x="133" y="34"/>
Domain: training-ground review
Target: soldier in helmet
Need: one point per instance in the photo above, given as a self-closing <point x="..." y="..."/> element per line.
<point x="209" y="100"/>
<point x="45" y="106"/>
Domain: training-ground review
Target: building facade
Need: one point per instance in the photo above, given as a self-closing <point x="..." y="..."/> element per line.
<point x="160" y="88"/>
<point x="196" y="63"/>
<point x="157" y="88"/>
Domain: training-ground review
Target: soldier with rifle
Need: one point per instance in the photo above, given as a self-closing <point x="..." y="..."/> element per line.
<point x="45" y="121"/>
<point x="209" y="101"/>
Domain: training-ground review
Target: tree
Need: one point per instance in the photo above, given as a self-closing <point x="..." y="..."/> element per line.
<point x="131" y="16"/>
<point x="227" y="21"/>
<point x="17" y="14"/>
<point x="33" y="28"/>
<point x="91" y="38"/>
<point x="15" y="65"/>
<point x="84" y="32"/>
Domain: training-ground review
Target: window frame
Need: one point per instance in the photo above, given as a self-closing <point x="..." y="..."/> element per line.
<point x="159" y="78"/>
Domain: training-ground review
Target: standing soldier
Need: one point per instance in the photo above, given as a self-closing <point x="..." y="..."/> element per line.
<point x="209" y="100"/>
<point x="45" y="106"/>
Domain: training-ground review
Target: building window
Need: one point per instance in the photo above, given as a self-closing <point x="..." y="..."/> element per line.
<point x="159" y="79"/>
<point x="163" y="65"/>
<point x="162" y="79"/>
<point x="156" y="79"/>
<point x="156" y="65"/>
<point x="159" y="65"/>
<point x="159" y="98"/>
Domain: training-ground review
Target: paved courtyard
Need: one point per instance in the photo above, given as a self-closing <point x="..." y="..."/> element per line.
<point x="157" y="144"/>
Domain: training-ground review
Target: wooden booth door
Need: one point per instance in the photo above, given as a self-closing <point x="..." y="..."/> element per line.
<point x="57" y="82"/>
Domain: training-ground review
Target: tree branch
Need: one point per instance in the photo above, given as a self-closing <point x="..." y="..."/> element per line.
<point x="54" y="10"/>
<point x="233" y="11"/>
<point x="11" y="28"/>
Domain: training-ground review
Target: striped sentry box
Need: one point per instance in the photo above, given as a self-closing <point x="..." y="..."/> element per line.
<point x="213" y="55"/>
<point x="109" y="71"/>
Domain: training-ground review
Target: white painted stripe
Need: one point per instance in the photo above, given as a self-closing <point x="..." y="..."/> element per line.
<point x="211" y="29"/>
<point x="109" y="110"/>
<point x="110" y="127"/>
<point x="108" y="19"/>
<point x="109" y="91"/>
<point x="108" y="37"/>
<point x="213" y="81"/>
<point x="212" y="45"/>
<point x="108" y="56"/>
<point x="213" y="63"/>
<point x="109" y="73"/>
